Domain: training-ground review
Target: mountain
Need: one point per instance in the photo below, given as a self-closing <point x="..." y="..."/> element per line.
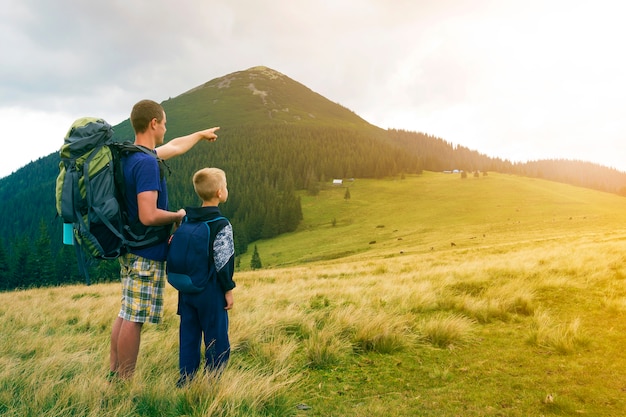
<point x="277" y="138"/>
<point x="256" y="97"/>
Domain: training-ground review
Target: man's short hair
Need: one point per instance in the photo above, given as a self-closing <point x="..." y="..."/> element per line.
<point x="207" y="181"/>
<point x="143" y="113"/>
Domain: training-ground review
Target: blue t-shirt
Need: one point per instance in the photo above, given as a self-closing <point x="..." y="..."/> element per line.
<point x="142" y="173"/>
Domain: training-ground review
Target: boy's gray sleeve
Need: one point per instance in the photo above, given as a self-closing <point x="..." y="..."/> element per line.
<point x="224" y="257"/>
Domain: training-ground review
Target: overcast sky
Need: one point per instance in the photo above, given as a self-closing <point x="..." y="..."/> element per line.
<point x="520" y="80"/>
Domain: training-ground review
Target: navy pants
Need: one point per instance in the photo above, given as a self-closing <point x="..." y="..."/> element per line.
<point x="202" y="316"/>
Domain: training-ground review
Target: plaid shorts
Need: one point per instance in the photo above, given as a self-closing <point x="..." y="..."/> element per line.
<point x="143" y="285"/>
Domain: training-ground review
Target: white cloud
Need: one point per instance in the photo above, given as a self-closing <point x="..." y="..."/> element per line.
<point x="32" y="134"/>
<point x="517" y="80"/>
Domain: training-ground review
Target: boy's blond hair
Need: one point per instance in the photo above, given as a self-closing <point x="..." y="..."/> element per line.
<point x="207" y="181"/>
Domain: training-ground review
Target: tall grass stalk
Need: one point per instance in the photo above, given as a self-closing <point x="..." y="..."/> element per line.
<point x="564" y="338"/>
<point x="446" y="331"/>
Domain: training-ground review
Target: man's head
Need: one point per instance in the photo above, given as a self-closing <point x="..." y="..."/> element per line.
<point x="148" y="114"/>
<point x="210" y="183"/>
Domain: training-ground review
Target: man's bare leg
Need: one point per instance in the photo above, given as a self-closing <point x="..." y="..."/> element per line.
<point x="125" y="340"/>
<point x="115" y="332"/>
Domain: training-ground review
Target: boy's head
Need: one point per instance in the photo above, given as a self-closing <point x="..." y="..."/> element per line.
<point x="210" y="184"/>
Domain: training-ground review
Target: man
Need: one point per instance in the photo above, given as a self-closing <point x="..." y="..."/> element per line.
<point x="142" y="271"/>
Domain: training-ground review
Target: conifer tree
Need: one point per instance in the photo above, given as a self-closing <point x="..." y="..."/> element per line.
<point x="21" y="276"/>
<point x="4" y="268"/>
<point x="42" y="263"/>
<point x="106" y="271"/>
<point x="66" y="265"/>
<point x="270" y="223"/>
<point x="255" y="262"/>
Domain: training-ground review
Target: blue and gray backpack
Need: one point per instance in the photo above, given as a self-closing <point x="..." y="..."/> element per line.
<point x="190" y="264"/>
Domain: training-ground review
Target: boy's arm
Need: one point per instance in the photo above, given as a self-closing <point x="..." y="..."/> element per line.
<point x="180" y="145"/>
<point x="229" y="300"/>
<point x="224" y="258"/>
<point x="225" y="275"/>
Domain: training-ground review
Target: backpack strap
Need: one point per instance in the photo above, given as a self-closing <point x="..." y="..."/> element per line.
<point x="136" y="234"/>
<point x="129" y="147"/>
<point x="82" y="262"/>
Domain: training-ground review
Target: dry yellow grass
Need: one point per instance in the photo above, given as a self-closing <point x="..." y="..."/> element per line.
<point x="492" y="326"/>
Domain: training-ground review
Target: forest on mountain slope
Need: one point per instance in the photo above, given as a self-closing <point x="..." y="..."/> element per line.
<point x="266" y="168"/>
<point x="287" y="141"/>
<point x="436" y="154"/>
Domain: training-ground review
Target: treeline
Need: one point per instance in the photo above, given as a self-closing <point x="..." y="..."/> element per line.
<point x="578" y="173"/>
<point x="36" y="263"/>
<point x="265" y="169"/>
<point x="436" y="154"/>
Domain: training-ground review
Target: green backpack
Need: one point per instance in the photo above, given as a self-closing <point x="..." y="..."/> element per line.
<point x="90" y="194"/>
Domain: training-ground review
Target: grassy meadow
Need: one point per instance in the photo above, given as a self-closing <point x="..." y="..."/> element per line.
<point x="423" y="296"/>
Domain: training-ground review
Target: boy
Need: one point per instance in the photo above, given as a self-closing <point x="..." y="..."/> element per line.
<point x="203" y="253"/>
